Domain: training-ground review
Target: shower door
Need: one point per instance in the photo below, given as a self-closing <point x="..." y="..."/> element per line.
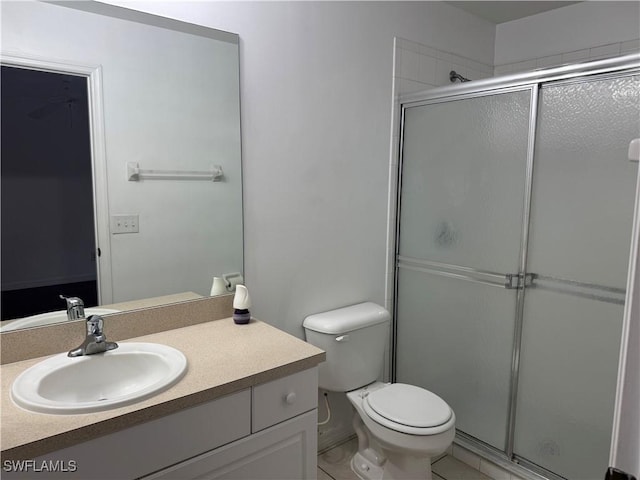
<point x="461" y="227"/>
<point x="512" y="262"/>
<point x="581" y="219"/>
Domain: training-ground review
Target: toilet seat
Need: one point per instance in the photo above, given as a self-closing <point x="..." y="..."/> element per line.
<point x="408" y="409"/>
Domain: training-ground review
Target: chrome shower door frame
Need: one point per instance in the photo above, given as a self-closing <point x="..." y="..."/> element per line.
<point x="533" y="81"/>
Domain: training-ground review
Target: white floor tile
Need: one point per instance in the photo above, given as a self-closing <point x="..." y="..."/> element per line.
<point x="322" y="475"/>
<point x="466" y="456"/>
<point x="337" y="461"/>
<point x="493" y="471"/>
<point x="335" y="464"/>
<point x="451" y="468"/>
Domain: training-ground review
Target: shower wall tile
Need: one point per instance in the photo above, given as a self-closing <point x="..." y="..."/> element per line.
<point x="427" y="69"/>
<point x="478" y="67"/>
<point x="503" y="69"/>
<point x="443" y="67"/>
<point x="550" y="61"/>
<point x="524" y="66"/>
<point x="448" y="57"/>
<point x="632" y="46"/>
<point x="575" y="56"/>
<point x="477" y="75"/>
<point x="411" y="86"/>
<point x="605" y="51"/>
<point x="409" y="65"/>
<point x="597" y="52"/>
<point x="417" y="47"/>
<point x="477" y="70"/>
<point x="422" y="67"/>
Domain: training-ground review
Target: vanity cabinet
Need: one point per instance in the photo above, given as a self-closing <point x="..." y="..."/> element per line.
<point x="283" y="443"/>
<point x="286" y="451"/>
<point x="267" y="431"/>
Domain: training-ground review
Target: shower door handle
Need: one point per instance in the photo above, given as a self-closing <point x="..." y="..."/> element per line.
<point x="513" y="281"/>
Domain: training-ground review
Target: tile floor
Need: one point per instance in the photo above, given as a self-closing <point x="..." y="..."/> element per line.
<point x="334" y="465"/>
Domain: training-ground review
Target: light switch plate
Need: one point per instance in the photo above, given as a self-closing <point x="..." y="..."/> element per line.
<point x="124" y="224"/>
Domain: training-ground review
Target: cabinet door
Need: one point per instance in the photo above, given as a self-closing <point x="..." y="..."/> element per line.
<point x="284" y="451"/>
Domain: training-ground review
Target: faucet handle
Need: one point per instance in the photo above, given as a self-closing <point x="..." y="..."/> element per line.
<point x="75" y="307"/>
<point x="95" y="325"/>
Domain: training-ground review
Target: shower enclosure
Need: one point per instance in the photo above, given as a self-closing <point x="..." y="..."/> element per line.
<point x="515" y="211"/>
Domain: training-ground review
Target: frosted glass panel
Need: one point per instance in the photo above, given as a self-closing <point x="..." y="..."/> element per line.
<point x="461" y="203"/>
<point x="463" y="180"/>
<point x="568" y="366"/>
<point x="455" y="339"/>
<point x="584" y="185"/>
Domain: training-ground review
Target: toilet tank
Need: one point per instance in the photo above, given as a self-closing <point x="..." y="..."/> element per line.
<point x="354" y="339"/>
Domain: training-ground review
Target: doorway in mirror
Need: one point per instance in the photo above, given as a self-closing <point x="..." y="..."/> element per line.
<point x="48" y="227"/>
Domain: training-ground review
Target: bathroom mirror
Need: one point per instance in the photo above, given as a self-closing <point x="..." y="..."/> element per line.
<point x="162" y="96"/>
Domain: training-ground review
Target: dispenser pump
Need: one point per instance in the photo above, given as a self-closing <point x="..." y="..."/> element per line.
<point x="241" y="304"/>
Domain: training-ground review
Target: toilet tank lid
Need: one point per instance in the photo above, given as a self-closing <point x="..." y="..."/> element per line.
<point x="347" y="319"/>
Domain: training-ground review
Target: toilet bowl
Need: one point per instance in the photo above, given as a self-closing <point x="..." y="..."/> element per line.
<point x="400" y="427"/>
<point x="409" y="424"/>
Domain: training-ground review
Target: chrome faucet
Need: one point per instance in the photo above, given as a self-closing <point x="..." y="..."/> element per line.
<point x="95" y="341"/>
<point x="75" y="308"/>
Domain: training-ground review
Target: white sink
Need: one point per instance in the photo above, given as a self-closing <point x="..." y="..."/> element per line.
<point x="132" y="372"/>
<point x="49" y="318"/>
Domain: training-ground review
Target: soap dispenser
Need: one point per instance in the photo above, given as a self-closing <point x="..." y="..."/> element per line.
<point x="241" y="304"/>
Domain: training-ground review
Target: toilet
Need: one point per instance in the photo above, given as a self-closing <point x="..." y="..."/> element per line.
<point x="400" y="427"/>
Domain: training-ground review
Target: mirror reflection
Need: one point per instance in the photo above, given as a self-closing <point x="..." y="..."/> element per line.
<point x="82" y="105"/>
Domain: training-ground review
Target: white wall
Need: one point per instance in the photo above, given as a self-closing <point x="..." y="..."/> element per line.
<point x="584" y="31"/>
<point x="316" y="89"/>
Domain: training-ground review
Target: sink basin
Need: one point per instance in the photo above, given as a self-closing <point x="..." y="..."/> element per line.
<point x="49" y="318"/>
<point x="132" y="372"/>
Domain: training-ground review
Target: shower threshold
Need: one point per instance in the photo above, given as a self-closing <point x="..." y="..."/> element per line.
<point x="518" y="466"/>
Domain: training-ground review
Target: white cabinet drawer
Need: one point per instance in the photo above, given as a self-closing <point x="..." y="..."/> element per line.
<point x="278" y="400"/>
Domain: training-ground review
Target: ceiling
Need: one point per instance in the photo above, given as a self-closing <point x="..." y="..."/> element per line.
<point x="505" y="11"/>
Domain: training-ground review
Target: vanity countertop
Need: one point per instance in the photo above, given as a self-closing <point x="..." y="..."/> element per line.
<point x="154" y="301"/>
<point x="222" y="358"/>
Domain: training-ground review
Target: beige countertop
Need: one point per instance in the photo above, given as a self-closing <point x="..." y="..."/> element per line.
<point x="222" y="358"/>
<point x="153" y="302"/>
<point x="121" y="307"/>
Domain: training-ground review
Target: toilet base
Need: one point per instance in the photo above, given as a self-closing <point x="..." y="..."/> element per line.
<point x="365" y="469"/>
<point x="420" y="469"/>
<point x="400" y="466"/>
